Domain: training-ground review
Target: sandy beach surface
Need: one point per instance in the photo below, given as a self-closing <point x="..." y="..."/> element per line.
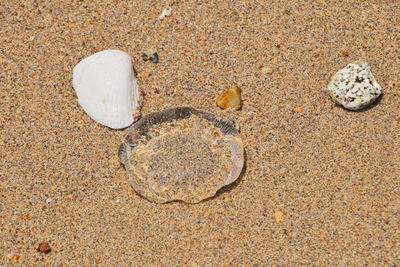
<point x="321" y="185"/>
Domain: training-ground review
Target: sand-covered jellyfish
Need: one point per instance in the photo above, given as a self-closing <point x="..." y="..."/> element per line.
<point x="181" y="154"/>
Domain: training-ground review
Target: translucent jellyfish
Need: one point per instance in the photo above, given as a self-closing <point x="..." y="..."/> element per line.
<point x="181" y="154"/>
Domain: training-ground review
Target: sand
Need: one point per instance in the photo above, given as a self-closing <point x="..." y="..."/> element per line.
<point x="321" y="184"/>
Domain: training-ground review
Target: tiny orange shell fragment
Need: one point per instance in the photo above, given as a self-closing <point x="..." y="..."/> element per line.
<point x="278" y="216"/>
<point x="15" y="257"/>
<point x="298" y="109"/>
<point x="231" y="98"/>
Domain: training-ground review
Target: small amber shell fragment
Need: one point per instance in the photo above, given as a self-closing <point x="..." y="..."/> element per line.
<point x="231" y="98"/>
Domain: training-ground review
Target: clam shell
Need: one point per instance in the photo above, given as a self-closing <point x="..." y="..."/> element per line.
<point x="194" y="191"/>
<point x="106" y="88"/>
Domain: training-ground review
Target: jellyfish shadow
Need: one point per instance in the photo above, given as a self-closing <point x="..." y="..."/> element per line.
<point x="230" y="187"/>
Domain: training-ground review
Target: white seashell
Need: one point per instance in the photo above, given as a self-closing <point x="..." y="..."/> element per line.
<point x="106" y="88"/>
<point x="354" y="86"/>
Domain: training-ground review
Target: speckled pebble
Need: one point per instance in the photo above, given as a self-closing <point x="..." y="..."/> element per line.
<point x="150" y="55"/>
<point x="354" y="86"/>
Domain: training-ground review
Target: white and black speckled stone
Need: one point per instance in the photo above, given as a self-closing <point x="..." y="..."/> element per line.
<point x="354" y="87"/>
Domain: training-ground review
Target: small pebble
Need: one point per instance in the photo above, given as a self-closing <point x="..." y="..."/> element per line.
<point x="153" y="56"/>
<point x="145" y="57"/>
<point x="267" y="70"/>
<point x="48" y="200"/>
<point x="44" y="247"/>
<point x="231" y="98"/>
<point x="354" y="87"/>
<point x="343" y="54"/>
<point x="166" y="12"/>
